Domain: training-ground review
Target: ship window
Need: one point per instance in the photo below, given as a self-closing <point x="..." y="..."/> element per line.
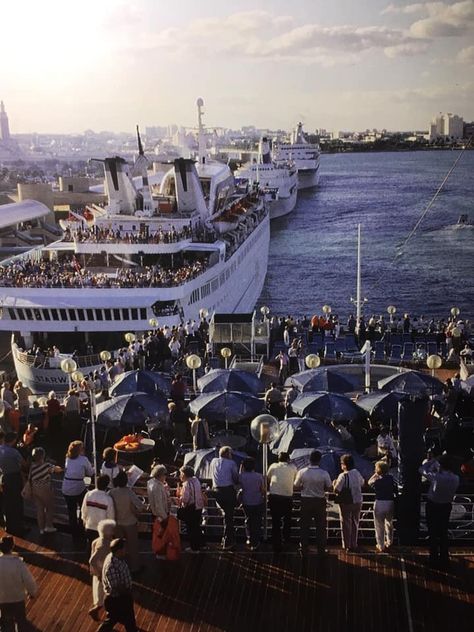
<point x="54" y="314"/>
<point x="99" y="315"/>
<point x="72" y="314"/>
<point x="108" y="314"/>
<point x="126" y="315"/>
<point x="134" y="313"/>
<point x="38" y="314"/>
<point x="63" y="314"/>
<point x="80" y="314"/>
<point x="143" y="313"/>
<point x="12" y="313"/>
<point x="90" y="314"/>
<point x="214" y="284"/>
<point x="46" y="314"/>
<point x="117" y="315"/>
<point x="29" y="314"/>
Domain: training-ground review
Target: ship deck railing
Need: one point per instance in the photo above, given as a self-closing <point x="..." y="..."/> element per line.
<point x="461" y="525"/>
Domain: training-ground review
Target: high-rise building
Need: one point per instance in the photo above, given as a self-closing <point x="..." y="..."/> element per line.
<point x="448" y="126"/>
<point x="4" y="126"/>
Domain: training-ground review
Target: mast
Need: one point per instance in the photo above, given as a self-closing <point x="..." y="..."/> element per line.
<point x="201" y="133"/>
<point x="358" y="290"/>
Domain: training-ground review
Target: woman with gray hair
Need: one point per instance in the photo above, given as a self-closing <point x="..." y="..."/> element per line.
<point x="43" y="496"/>
<point x="99" y="551"/>
<point x="159" y="493"/>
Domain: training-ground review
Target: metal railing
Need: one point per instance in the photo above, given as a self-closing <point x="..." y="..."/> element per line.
<point x="461" y="526"/>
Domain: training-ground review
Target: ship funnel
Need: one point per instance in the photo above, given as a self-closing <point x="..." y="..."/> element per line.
<point x="119" y="186"/>
<point x="264" y="151"/>
<point x="189" y="195"/>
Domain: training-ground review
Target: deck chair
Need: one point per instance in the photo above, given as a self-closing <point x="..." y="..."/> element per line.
<point x="407" y="355"/>
<point x="330" y="351"/>
<point x="379" y="351"/>
<point x="395" y="354"/>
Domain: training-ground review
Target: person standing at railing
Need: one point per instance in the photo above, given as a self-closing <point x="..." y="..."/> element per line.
<point x="281" y="477"/>
<point x="443" y="486"/>
<point x="225" y="477"/>
<point x="74" y="489"/>
<point x="385" y="492"/>
<point x="350" y="501"/>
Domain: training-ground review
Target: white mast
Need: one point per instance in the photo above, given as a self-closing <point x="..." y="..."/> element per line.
<point x="358" y="290"/>
<point x="201" y="132"/>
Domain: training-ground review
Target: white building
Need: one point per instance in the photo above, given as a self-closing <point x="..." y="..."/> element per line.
<point x="448" y="126"/>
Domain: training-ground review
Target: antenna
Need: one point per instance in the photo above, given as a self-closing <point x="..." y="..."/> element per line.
<point x="140" y="146"/>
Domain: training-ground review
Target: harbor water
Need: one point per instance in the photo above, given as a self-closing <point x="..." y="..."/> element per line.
<point x="313" y="251"/>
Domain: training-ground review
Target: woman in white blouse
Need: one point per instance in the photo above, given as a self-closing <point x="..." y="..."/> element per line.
<point x="349" y="512"/>
<point x="74" y="488"/>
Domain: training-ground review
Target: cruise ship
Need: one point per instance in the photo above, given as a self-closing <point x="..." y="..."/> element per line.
<point x="199" y="241"/>
<point x="279" y="181"/>
<point x="305" y="156"/>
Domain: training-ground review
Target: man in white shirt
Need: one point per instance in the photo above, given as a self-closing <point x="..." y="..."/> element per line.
<point x="313" y="483"/>
<point x="281" y="478"/>
<point x="15" y="582"/>
<point x="96" y="506"/>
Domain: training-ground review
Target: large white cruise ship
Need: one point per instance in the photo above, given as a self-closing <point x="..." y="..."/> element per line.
<point x="199" y="241"/>
<point x="305" y="156"/>
<point x="279" y="181"/>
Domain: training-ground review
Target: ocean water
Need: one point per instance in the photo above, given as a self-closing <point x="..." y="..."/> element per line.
<point x="313" y="251"/>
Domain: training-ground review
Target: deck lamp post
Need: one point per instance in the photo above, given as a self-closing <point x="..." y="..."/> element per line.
<point x="203" y="313"/>
<point x="153" y="323"/>
<point x="391" y="309"/>
<point x="434" y="362"/>
<point x="226" y="353"/>
<point x="129" y="337"/>
<point x="77" y="377"/>
<point x="264" y="310"/>
<point x="264" y="429"/>
<point x="312" y="361"/>
<point x="455" y="311"/>
<point x="68" y="365"/>
<point x="193" y="362"/>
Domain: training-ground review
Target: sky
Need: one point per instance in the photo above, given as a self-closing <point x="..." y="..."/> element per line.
<point x="334" y="64"/>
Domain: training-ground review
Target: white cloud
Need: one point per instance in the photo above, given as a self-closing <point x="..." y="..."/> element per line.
<point x="408" y="9"/>
<point x="259" y="35"/>
<point x="466" y="55"/>
<point x="445" y="20"/>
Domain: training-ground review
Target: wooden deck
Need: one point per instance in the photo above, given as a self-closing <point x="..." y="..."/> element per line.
<point x="240" y="591"/>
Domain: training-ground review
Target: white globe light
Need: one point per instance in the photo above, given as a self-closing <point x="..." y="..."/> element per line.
<point x="226" y="352"/>
<point x="68" y="365"/>
<point x="434" y="362"/>
<point x="264" y="428"/>
<point x="203" y="313"/>
<point x="77" y="376"/>
<point x="327" y="309"/>
<point x="129" y="337"/>
<point x="391" y="309"/>
<point x="193" y="362"/>
<point x="312" y="361"/>
<point x="153" y="323"/>
<point x="264" y="310"/>
<point x="455" y="311"/>
<point x="105" y="355"/>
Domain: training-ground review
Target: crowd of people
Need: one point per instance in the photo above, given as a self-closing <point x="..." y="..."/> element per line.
<point x="102" y="234"/>
<point x="69" y="274"/>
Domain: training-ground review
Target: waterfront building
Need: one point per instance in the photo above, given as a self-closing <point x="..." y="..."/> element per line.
<point x="448" y="126"/>
<point x="4" y="125"/>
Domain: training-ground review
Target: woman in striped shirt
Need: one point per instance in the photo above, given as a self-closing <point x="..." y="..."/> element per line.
<point x="40" y="479"/>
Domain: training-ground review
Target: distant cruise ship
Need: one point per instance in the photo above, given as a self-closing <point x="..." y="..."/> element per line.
<point x="279" y="181"/>
<point x="199" y="241"/>
<point x="305" y="156"/>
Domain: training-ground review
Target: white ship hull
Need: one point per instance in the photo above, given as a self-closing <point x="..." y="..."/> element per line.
<point x="308" y="178"/>
<point x="283" y="206"/>
<point x="228" y="287"/>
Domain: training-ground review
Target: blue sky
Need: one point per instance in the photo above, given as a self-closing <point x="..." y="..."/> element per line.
<point x="337" y="64"/>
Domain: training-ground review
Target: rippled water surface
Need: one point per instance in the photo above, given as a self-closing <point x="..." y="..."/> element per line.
<point x="313" y="251"/>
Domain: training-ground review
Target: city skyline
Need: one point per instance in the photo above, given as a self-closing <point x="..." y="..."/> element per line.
<point x="336" y="65"/>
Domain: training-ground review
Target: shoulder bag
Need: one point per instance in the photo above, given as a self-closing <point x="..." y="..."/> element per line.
<point x="27" y="491"/>
<point x="344" y="497"/>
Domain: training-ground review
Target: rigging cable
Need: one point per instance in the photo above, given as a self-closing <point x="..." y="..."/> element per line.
<point x="423" y="215"/>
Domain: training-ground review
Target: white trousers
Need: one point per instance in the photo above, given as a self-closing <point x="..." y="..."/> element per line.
<point x="383" y="520"/>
